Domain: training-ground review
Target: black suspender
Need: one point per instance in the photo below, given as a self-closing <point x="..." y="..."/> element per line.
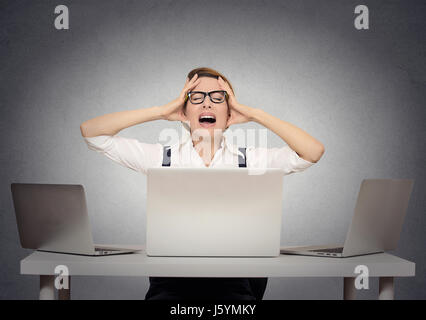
<point x="166" y="156"/>
<point x="242" y="163"/>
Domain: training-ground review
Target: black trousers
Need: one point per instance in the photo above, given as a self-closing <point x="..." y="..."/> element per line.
<point x="172" y="288"/>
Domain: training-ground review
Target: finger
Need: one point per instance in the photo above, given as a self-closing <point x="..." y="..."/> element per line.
<point x="224" y="85"/>
<point x="190" y="86"/>
<point x="221" y="85"/>
<point x="193" y="81"/>
<point x="196" y="83"/>
<point x="194" y="77"/>
<point x="221" y="82"/>
<point x="186" y="84"/>
<point x="189" y="82"/>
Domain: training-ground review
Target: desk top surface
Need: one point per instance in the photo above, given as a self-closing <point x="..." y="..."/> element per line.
<point x="139" y="264"/>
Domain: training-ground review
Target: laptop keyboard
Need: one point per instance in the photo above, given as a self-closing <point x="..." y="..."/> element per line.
<point x="331" y="250"/>
<point x="103" y="249"/>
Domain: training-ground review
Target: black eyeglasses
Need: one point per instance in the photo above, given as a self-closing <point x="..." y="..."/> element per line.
<point x="197" y="97"/>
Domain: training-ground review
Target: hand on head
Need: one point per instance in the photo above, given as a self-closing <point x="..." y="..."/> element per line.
<point x="173" y="111"/>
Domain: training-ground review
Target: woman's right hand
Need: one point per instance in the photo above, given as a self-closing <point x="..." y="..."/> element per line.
<point x="173" y="111"/>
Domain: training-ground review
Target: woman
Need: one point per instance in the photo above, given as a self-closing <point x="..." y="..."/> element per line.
<point x="206" y="106"/>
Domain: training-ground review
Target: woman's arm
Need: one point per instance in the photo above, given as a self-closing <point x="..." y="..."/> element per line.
<point x="111" y="123"/>
<point x="306" y="146"/>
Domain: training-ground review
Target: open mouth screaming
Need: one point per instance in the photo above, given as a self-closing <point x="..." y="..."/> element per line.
<point x="207" y="119"/>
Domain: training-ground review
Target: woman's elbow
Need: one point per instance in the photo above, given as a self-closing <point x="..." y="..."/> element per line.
<point x="83" y="129"/>
<point x="319" y="152"/>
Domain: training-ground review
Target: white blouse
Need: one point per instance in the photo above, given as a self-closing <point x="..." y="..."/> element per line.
<point x="140" y="156"/>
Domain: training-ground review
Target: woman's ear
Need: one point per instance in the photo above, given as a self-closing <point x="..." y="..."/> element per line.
<point x="228" y="121"/>
<point x="228" y="112"/>
<point x="182" y="114"/>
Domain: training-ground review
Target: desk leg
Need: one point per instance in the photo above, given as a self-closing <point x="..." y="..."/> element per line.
<point x="349" y="291"/>
<point x="47" y="289"/>
<point x="386" y="288"/>
<point x="65" y="294"/>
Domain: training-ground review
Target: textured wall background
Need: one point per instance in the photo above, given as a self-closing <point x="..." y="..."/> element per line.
<point x="361" y="93"/>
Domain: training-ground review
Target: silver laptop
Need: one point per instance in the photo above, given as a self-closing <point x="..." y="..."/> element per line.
<point x="53" y="217"/>
<point x="376" y="224"/>
<point x="213" y="212"/>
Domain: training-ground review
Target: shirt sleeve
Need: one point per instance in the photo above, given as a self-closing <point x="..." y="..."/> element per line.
<point x="130" y="153"/>
<point x="283" y="158"/>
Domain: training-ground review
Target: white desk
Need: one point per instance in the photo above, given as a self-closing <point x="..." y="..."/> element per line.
<point x="382" y="265"/>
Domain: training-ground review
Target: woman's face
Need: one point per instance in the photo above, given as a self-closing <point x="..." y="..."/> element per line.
<point x="219" y="111"/>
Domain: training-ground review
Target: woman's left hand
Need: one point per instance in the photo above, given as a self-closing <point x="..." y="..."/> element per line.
<point x="238" y="113"/>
